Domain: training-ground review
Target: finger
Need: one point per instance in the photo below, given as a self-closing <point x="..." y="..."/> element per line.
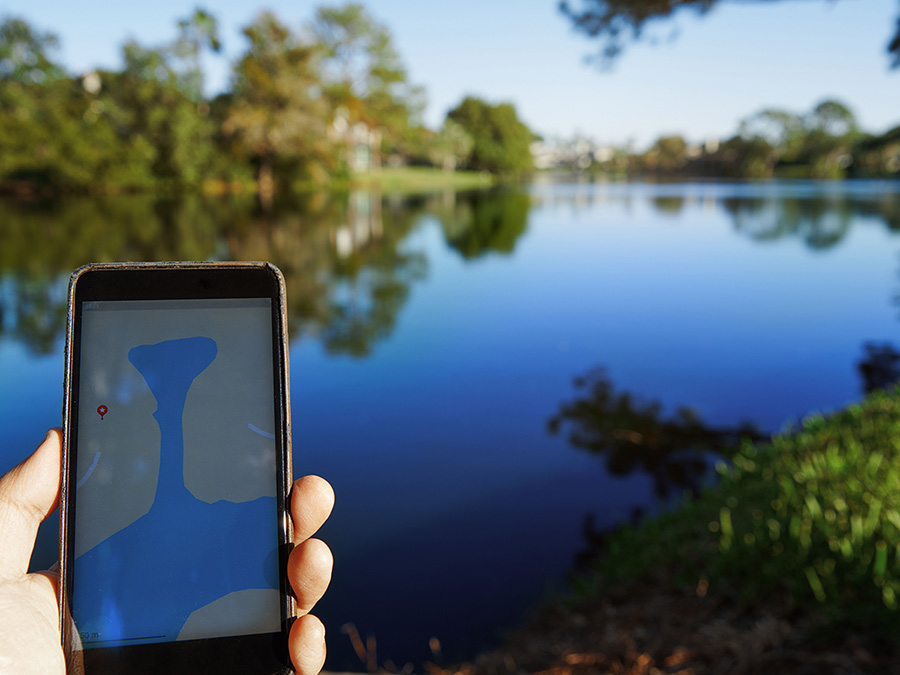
<point x="309" y="571"/>
<point x="311" y="502"/>
<point x="307" y="645"/>
<point x="29" y="493"/>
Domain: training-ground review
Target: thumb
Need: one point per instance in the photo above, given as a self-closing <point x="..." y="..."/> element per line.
<point x="28" y="494"/>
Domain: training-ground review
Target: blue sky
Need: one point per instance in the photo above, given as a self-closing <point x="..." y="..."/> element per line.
<point x="739" y="58"/>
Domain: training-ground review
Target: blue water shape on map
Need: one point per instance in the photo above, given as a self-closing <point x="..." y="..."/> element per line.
<point x="143" y="582"/>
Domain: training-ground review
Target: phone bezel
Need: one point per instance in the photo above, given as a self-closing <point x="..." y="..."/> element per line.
<point x="258" y="653"/>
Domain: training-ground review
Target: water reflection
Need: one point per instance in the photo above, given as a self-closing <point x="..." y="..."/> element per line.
<point x="668" y="205"/>
<point x="880" y="367"/>
<point x="485" y="222"/>
<point x="819" y="222"/>
<point x="635" y="435"/>
<point x="347" y="271"/>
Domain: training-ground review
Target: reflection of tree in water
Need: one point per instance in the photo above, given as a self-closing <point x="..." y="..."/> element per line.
<point x="880" y="367"/>
<point x="821" y="222"/>
<point x="484" y="222"/>
<point x="668" y="205"/>
<point x="34" y="312"/>
<point x="44" y="241"/>
<point x="349" y="297"/>
<point x="345" y="266"/>
<point x="634" y="435"/>
<point x="372" y="277"/>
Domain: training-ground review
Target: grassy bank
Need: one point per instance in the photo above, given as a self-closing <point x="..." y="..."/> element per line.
<point x="407" y="180"/>
<point x="790" y="564"/>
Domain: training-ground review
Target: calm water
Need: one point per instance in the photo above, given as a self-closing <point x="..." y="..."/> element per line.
<point x="436" y="347"/>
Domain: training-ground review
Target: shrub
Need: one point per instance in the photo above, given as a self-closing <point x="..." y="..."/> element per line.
<point x="815" y="513"/>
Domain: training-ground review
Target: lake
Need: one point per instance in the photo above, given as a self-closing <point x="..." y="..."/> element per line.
<point x="486" y="378"/>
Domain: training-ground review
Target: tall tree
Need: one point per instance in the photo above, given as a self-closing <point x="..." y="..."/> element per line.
<point x="781" y="129"/>
<point x="833" y="118"/>
<point x="199" y="32"/>
<point x="157" y="99"/>
<point x="363" y="72"/>
<point x="501" y="141"/>
<point x="277" y="111"/>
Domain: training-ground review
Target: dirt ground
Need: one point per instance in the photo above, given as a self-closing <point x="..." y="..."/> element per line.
<point x="648" y="631"/>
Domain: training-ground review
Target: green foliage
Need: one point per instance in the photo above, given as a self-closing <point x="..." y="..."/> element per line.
<point x="141" y="128"/>
<point x="614" y="22"/>
<point x="56" y="135"/>
<point x="500" y="140"/>
<point x="815" y="513"/>
<point x="24" y="54"/>
<point x="669" y="153"/>
<point x="450" y="147"/>
<point x="364" y="77"/>
<point x="277" y="115"/>
<point x="747" y="158"/>
<point x="817" y="145"/>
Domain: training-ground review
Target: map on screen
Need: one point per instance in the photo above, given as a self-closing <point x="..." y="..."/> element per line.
<point x="176" y="522"/>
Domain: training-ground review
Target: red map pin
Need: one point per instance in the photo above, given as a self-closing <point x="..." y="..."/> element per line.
<point x="101" y="410"/>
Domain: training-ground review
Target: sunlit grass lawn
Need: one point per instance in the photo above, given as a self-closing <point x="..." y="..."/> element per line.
<point x="419" y="179"/>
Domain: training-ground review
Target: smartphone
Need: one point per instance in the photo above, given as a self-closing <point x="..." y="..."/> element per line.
<point x="174" y="530"/>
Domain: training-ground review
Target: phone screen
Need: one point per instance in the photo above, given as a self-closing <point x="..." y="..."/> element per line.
<point x="176" y="505"/>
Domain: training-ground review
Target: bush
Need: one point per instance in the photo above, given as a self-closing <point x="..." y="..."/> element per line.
<point x="815" y="513"/>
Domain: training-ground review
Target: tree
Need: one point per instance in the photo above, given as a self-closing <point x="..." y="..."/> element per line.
<point x="157" y="100"/>
<point x="195" y="34"/>
<point x="500" y="140"/>
<point x="139" y="128"/>
<point x="364" y="75"/>
<point x="669" y="153"/>
<point x="741" y="157"/>
<point x="53" y="134"/>
<point x="614" y="22"/>
<point x="24" y="54"/>
<point x="782" y="130"/>
<point x="833" y="118"/>
<point x="277" y="112"/>
<point x="450" y="147"/>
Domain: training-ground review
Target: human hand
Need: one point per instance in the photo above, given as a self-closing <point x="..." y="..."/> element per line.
<point x="29" y="616"/>
<point x="29" y="613"/>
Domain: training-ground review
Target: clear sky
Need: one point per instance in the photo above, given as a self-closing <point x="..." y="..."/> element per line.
<point x="699" y="79"/>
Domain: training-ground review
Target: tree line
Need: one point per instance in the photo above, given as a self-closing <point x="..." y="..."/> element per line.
<point x="304" y="107"/>
<point x="825" y="142"/>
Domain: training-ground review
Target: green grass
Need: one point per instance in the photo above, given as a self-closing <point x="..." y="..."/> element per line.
<point x="813" y="516"/>
<point x="419" y="179"/>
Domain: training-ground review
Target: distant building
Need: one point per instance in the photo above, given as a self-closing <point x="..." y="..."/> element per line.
<point x="576" y="155"/>
<point x="362" y="143"/>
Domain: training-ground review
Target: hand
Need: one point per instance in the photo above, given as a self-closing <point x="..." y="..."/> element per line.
<point x="29" y="615"/>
